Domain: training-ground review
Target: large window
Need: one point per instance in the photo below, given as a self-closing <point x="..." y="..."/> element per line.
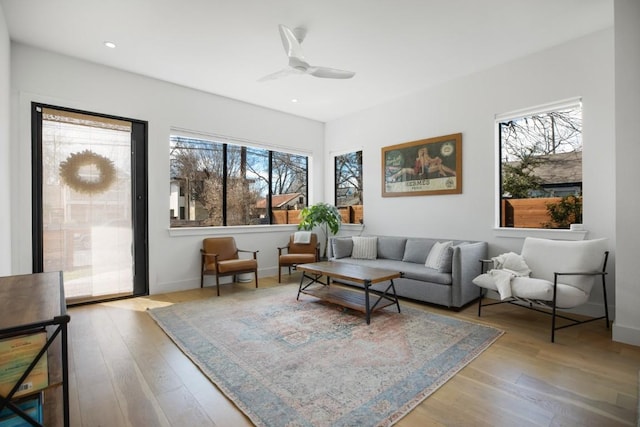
<point x="541" y="167"/>
<point x="348" y="190"/>
<point x="220" y="183"/>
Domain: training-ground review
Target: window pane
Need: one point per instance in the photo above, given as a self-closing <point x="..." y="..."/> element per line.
<point x="541" y="169"/>
<point x="247" y="182"/>
<point x="196" y="182"/>
<point x="348" y="191"/>
<point x="210" y="178"/>
<point x="86" y="203"/>
<point x="288" y="187"/>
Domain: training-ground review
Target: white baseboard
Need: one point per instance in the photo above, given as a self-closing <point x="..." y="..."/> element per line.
<point x="626" y="334"/>
<point x="185" y="285"/>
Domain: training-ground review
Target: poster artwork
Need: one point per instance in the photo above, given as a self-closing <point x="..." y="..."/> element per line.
<point x="429" y="166"/>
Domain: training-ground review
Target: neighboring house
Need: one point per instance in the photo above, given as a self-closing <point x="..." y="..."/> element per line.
<point x="560" y="174"/>
<point x="281" y="202"/>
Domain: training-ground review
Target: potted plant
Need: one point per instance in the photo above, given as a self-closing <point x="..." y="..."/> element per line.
<point x="323" y="215"/>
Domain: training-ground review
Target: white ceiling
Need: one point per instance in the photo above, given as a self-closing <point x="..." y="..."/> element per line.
<point x="396" y="47"/>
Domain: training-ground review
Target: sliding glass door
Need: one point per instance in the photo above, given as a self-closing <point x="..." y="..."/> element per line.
<point x="89" y="202"/>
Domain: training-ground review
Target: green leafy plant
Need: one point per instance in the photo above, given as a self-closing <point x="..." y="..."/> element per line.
<point x="518" y="179"/>
<point x="565" y="212"/>
<point x="322" y="215"/>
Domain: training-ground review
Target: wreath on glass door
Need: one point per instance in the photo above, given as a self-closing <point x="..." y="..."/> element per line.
<point x="70" y="172"/>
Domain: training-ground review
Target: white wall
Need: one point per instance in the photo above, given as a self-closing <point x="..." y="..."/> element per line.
<point x="5" y="176"/>
<point x="174" y="261"/>
<point x="627" y="131"/>
<point x="583" y="67"/>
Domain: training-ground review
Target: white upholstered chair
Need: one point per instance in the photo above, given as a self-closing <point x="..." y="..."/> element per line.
<point x="562" y="276"/>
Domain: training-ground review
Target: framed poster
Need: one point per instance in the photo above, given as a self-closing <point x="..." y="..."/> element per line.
<point x="425" y="167"/>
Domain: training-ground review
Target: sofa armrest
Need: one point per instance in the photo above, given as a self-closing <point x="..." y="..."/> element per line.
<point x="465" y="267"/>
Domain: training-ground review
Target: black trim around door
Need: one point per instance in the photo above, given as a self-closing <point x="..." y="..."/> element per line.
<point x="139" y="193"/>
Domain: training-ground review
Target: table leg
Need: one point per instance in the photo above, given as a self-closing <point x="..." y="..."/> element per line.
<point x="312" y="280"/>
<point x="367" y="283"/>
<point x="300" y="287"/>
<point x="395" y="295"/>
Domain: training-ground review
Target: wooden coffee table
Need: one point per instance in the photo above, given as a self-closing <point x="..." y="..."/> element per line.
<point x="366" y="276"/>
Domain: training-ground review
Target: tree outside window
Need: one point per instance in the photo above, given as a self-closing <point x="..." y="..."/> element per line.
<point x="348" y="187"/>
<point x="541" y="168"/>
<point x="216" y="184"/>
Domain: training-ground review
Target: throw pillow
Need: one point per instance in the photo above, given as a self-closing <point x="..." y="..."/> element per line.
<point x="438" y="255"/>
<point x="364" y="247"/>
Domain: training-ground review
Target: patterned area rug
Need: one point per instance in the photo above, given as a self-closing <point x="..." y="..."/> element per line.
<point x="285" y="362"/>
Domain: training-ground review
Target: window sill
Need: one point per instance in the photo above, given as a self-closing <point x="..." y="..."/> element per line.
<point x="245" y="229"/>
<point x="225" y="231"/>
<point x="521" y="233"/>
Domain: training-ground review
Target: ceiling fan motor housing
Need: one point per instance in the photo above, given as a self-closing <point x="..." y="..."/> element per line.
<point x="298" y="64"/>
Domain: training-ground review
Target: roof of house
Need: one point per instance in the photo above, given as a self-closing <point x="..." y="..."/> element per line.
<point x="278" y="200"/>
<point x="559" y="168"/>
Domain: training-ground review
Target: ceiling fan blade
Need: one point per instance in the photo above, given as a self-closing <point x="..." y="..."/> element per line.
<point x="280" y="74"/>
<point x="290" y="43"/>
<point x="329" y="73"/>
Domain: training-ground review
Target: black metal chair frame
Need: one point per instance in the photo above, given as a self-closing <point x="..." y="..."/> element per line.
<point x="551" y="305"/>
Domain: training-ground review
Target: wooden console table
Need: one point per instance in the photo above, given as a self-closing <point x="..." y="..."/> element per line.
<point x="365" y="276"/>
<point x="35" y="302"/>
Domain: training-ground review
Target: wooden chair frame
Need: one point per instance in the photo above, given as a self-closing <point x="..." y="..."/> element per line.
<point x="218" y="274"/>
<point x="287" y="248"/>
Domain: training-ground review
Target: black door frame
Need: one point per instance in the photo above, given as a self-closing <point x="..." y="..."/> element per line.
<point x="139" y="194"/>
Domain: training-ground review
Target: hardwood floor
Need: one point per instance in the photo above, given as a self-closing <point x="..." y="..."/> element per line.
<point x="126" y="372"/>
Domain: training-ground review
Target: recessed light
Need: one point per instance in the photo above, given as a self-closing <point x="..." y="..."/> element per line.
<point x="110" y="45"/>
<point x="294" y="100"/>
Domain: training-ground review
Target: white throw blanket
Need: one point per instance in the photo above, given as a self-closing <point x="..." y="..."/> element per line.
<point x="506" y="267"/>
<point x="302" y="237"/>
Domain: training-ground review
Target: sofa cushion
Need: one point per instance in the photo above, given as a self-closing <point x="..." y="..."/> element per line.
<point x="409" y="270"/>
<point x="364" y="247"/>
<point x="439" y="255"/>
<point x="419" y="272"/>
<point x="341" y="247"/>
<point x="416" y="250"/>
<point x="391" y="247"/>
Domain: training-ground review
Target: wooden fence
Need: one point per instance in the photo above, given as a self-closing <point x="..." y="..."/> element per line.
<point x="526" y="213"/>
<point x="350" y="215"/>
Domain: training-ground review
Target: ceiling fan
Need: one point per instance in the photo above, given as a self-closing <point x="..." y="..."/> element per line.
<point x="297" y="63"/>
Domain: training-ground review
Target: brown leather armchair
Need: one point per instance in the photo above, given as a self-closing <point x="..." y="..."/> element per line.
<point x="219" y="257"/>
<point x="297" y="253"/>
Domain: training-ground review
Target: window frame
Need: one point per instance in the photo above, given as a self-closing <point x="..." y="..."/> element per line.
<point x="225" y="141"/>
<point x="332" y="170"/>
<point x="514" y="232"/>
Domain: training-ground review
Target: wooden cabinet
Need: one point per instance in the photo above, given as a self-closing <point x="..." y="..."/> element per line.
<point x="33" y="303"/>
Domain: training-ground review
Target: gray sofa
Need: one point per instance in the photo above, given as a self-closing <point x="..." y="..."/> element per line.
<point x="450" y="285"/>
